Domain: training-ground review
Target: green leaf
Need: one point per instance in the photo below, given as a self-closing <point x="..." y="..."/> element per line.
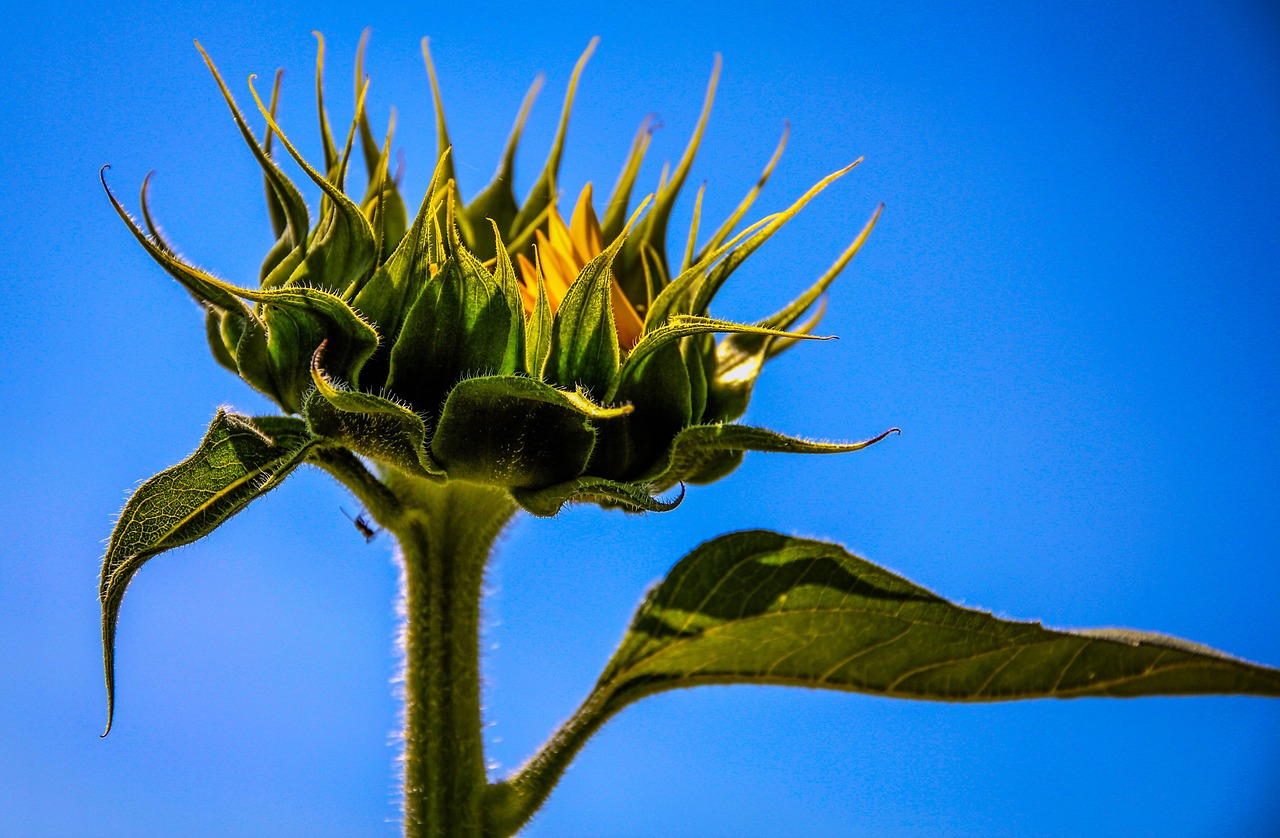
<point x="516" y="432"/>
<point x="758" y="607"/>
<point x="373" y="426"/>
<point x="610" y="494"/>
<point x="237" y="462"/>
<point x="703" y="447"/>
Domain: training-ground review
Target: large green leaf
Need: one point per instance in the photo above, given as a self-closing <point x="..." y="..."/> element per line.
<point x="758" y="607"/>
<point x="239" y="460"/>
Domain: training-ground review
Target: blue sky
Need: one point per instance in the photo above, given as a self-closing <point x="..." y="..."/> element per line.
<point x="1070" y="308"/>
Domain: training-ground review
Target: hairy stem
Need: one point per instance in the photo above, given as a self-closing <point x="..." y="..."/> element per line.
<point x="446" y="533"/>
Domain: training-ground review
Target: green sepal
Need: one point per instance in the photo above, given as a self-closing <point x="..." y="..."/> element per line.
<point x="204" y="287"/>
<point x="389" y="294"/>
<point x="723" y="232"/>
<point x="658" y="387"/>
<point x="652" y="233"/>
<point x="676" y="297"/>
<point x="290" y="199"/>
<point x="516" y="432"/>
<point x="236" y="463"/>
<point x="297" y="320"/>
<point x="543" y="194"/>
<point x="370" y="425"/>
<point x="698" y="453"/>
<point x="792" y="312"/>
<point x="275" y="208"/>
<point x="615" y="215"/>
<point x="341" y="250"/>
<point x="584" y="340"/>
<point x="382" y="204"/>
<point x="458" y="327"/>
<point x="497" y="202"/>
<point x="222" y="353"/>
<point x="443" y="146"/>
<point x="699" y="354"/>
<point x="710" y="284"/>
<point x="685" y="325"/>
<point x="331" y="164"/>
<point x="537" y="340"/>
<point x="609" y="494"/>
<point x="285" y="242"/>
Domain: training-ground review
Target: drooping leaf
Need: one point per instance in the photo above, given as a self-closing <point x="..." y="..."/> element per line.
<point x="758" y="607"/>
<point x="237" y="462"/>
<point x="516" y="432"/>
<point x="702" y="447"/>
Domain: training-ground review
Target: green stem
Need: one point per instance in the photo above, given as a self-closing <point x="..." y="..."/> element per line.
<point x="445" y="535"/>
<point x="446" y="532"/>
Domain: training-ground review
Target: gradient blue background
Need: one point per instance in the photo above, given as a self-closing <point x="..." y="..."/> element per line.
<point x="1070" y="308"/>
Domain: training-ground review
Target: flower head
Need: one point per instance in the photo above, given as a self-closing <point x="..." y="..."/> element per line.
<point x="490" y="340"/>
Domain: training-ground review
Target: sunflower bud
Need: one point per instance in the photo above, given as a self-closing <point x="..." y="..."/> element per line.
<point x="493" y="341"/>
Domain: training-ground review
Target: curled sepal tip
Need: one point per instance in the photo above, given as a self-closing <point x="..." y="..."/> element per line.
<point x="610" y="494"/>
<point x="239" y="460"/>
<point x="378" y="428"/>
